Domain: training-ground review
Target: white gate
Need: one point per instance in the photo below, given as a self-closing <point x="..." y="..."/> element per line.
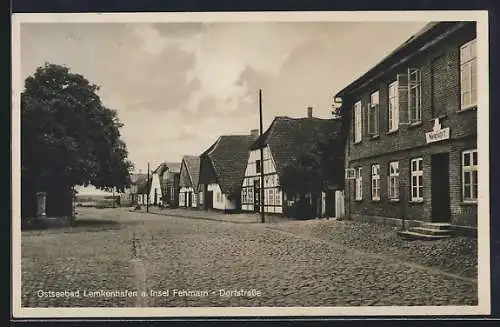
<point x="339" y="204"/>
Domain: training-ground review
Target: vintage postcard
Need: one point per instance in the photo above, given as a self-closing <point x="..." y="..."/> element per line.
<point x="250" y="164"/>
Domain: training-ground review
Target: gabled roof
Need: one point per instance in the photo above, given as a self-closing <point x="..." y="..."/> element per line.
<point x="160" y="169"/>
<point x="143" y="185"/>
<point x="228" y="157"/>
<point x="192" y="164"/>
<point x="174" y="167"/>
<point x="289" y="138"/>
<point x="139" y="177"/>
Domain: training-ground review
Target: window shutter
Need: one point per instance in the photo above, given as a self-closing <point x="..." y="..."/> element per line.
<point x="377" y="119"/>
<point x="366" y="118"/>
<point x="403" y="98"/>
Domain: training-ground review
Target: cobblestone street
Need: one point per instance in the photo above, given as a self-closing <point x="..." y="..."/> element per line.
<point x="277" y="264"/>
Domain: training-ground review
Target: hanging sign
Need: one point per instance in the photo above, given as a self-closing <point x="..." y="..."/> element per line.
<point x="438" y="133"/>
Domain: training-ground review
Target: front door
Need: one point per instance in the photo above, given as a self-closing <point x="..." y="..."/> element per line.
<point x="256" y="196"/>
<point x="440" y="188"/>
<point x="330" y="203"/>
<point x="209" y="200"/>
<point x="190" y="199"/>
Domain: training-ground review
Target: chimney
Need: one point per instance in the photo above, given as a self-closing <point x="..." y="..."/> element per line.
<point x="255" y="133"/>
<point x="309" y="112"/>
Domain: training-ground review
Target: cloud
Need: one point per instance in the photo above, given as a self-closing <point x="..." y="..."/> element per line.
<point x="178" y="86"/>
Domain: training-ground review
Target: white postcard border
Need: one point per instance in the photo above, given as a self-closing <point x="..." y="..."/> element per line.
<point x="484" y="280"/>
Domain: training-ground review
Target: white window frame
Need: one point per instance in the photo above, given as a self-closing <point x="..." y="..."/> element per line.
<point x="393" y="106"/>
<point x="358" y="122"/>
<point x="244" y="195"/>
<point x="417" y="171"/>
<point x="468" y="75"/>
<point x="373" y="111"/>
<point x="277" y="197"/>
<point x="376" y="182"/>
<point x="358" y="190"/>
<point x="271" y="197"/>
<point x="394" y="180"/>
<point x="469" y="170"/>
<point x="414" y="86"/>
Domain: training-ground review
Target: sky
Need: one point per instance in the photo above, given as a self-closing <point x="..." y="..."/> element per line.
<point x="178" y="86"/>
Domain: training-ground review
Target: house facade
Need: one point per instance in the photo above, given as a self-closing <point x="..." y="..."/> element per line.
<point x="250" y="191"/>
<point x="143" y="186"/>
<point x="170" y="184"/>
<point x="222" y="168"/>
<point x="411" y="131"/>
<point x="136" y="180"/>
<point x="285" y="140"/>
<point x="188" y="184"/>
<point x="156" y="190"/>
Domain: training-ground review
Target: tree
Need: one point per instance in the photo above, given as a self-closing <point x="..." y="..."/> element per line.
<point x="68" y="136"/>
<point x="315" y="169"/>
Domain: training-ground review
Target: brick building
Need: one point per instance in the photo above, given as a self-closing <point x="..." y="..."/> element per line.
<point x="411" y="128"/>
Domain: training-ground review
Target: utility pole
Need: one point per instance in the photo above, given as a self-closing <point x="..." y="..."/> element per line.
<point x="262" y="211"/>
<point x="147" y="190"/>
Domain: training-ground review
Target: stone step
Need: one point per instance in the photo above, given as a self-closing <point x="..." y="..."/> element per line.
<point x="442" y="226"/>
<point x="430" y="231"/>
<point x="419" y="236"/>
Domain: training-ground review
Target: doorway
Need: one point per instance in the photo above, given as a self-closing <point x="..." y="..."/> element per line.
<point x="330" y="203"/>
<point x="209" y="200"/>
<point x="189" y="199"/>
<point x="440" y="188"/>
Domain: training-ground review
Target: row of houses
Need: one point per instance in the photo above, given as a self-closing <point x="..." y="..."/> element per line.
<point x="227" y="176"/>
<point x="408" y="135"/>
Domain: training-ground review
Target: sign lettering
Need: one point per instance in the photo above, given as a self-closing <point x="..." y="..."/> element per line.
<point x="438" y="133"/>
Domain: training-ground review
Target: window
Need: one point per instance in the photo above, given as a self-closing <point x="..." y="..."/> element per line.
<point x="376" y="182"/>
<point x="469" y="175"/>
<point x="417" y="180"/>
<point x="271" y="197"/>
<point x="172" y="194"/>
<point x="468" y="67"/>
<point x="250" y="195"/>
<point x="277" y="197"/>
<point x="244" y="195"/>
<point x="393" y="110"/>
<point x="373" y="114"/>
<point x="394" y="180"/>
<point x="357" y="122"/>
<point x="359" y="185"/>
<point x="219" y="197"/>
<point x="201" y="198"/>
<point x="414" y="96"/>
<point x="257" y="166"/>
